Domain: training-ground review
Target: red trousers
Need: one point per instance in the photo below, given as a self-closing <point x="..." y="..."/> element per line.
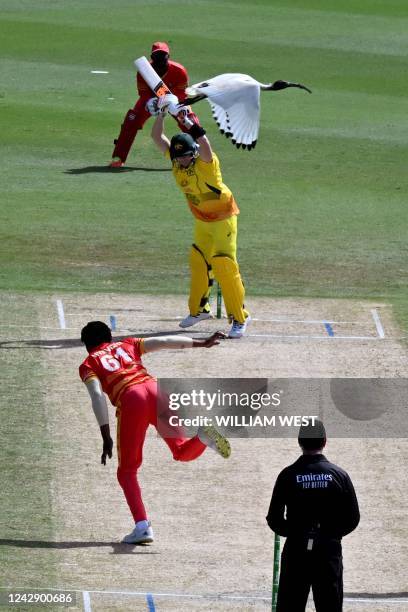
<point x="136" y="412"/>
<point x="134" y="120"/>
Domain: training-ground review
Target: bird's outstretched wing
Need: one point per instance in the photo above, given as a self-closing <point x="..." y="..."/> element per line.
<point x="235" y="105"/>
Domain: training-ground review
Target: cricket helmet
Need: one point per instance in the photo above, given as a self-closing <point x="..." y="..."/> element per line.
<point x="183" y="144"/>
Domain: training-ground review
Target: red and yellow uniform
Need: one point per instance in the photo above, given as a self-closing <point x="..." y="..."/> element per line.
<point x="118" y="366"/>
<point x="176" y="79"/>
<point x="133" y="391"/>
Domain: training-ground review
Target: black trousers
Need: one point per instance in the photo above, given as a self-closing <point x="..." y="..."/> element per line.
<point x="320" y="569"/>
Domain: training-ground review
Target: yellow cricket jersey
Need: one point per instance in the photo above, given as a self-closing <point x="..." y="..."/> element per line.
<point x="207" y="196"/>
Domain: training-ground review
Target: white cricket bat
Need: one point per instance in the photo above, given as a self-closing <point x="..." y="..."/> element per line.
<point x="155" y="83"/>
<point x="151" y="77"/>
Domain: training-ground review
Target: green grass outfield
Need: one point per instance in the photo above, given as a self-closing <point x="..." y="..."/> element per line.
<point x="322" y="197"/>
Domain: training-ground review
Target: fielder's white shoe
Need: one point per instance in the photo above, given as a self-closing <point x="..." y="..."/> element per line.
<point x="212" y="438"/>
<point x="191" y="320"/>
<point x="142" y="534"/>
<point x="238" y="329"/>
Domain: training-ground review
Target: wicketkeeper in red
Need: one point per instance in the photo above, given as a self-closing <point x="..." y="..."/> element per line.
<point x="175" y="77"/>
<point x="116" y="368"/>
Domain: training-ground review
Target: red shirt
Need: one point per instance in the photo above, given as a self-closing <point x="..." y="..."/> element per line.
<point x="176" y="79"/>
<point x="118" y="365"/>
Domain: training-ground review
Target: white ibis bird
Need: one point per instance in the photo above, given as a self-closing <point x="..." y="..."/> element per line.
<point x="235" y="104"/>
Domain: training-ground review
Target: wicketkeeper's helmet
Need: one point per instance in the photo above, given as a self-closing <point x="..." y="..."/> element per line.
<point x="183" y="144"/>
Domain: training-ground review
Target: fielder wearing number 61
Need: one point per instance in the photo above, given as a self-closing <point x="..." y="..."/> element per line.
<point x="116" y="368"/>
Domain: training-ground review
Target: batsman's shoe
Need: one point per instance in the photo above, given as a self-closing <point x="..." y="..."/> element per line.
<point x="116" y="163"/>
<point x="211" y="437"/>
<point x="194" y="319"/>
<point x="238" y="329"/>
<point x="142" y="534"/>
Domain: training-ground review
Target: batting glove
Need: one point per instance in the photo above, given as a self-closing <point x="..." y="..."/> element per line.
<point x="178" y="110"/>
<point x="164" y="102"/>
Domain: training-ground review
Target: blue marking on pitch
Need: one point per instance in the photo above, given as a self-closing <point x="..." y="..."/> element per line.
<point x="150" y="602"/>
<point x="329" y="329"/>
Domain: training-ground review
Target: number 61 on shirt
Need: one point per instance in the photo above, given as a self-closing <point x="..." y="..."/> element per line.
<point x="112" y="363"/>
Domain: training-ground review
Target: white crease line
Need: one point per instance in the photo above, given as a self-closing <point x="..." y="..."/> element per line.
<point x="306" y="337"/>
<point x="378" y="324"/>
<point x="311" y="321"/>
<point x="86" y="594"/>
<point x="282" y="320"/>
<point x="87" y="601"/>
<point x="61" y="315"/>
<point x="153" y="333"/>
<point x="281" y="336"/>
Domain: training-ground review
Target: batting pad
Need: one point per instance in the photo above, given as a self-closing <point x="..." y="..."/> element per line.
<point x="200" y="281"/>
<point x="226" y="271"/>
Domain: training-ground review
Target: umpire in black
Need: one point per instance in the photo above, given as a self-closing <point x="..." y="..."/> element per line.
<point x="313" y="505"/>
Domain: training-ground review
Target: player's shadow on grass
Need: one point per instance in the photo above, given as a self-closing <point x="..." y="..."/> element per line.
<point x="65" y="343"/>
<point x="108" y="170"/>
<point x="118" y="548"/>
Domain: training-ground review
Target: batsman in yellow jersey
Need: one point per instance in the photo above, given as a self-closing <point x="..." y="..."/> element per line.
<point x="196" y="170"/>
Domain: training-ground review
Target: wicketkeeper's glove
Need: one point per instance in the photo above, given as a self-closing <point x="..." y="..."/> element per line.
<point x="152" y="106"/>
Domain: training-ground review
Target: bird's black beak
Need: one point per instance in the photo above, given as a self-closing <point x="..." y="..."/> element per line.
<point x="300" y="86"/>
<point x="284" y="84"/>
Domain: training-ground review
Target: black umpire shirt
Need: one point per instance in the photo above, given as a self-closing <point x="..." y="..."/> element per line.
<point x="313" y="494"/>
